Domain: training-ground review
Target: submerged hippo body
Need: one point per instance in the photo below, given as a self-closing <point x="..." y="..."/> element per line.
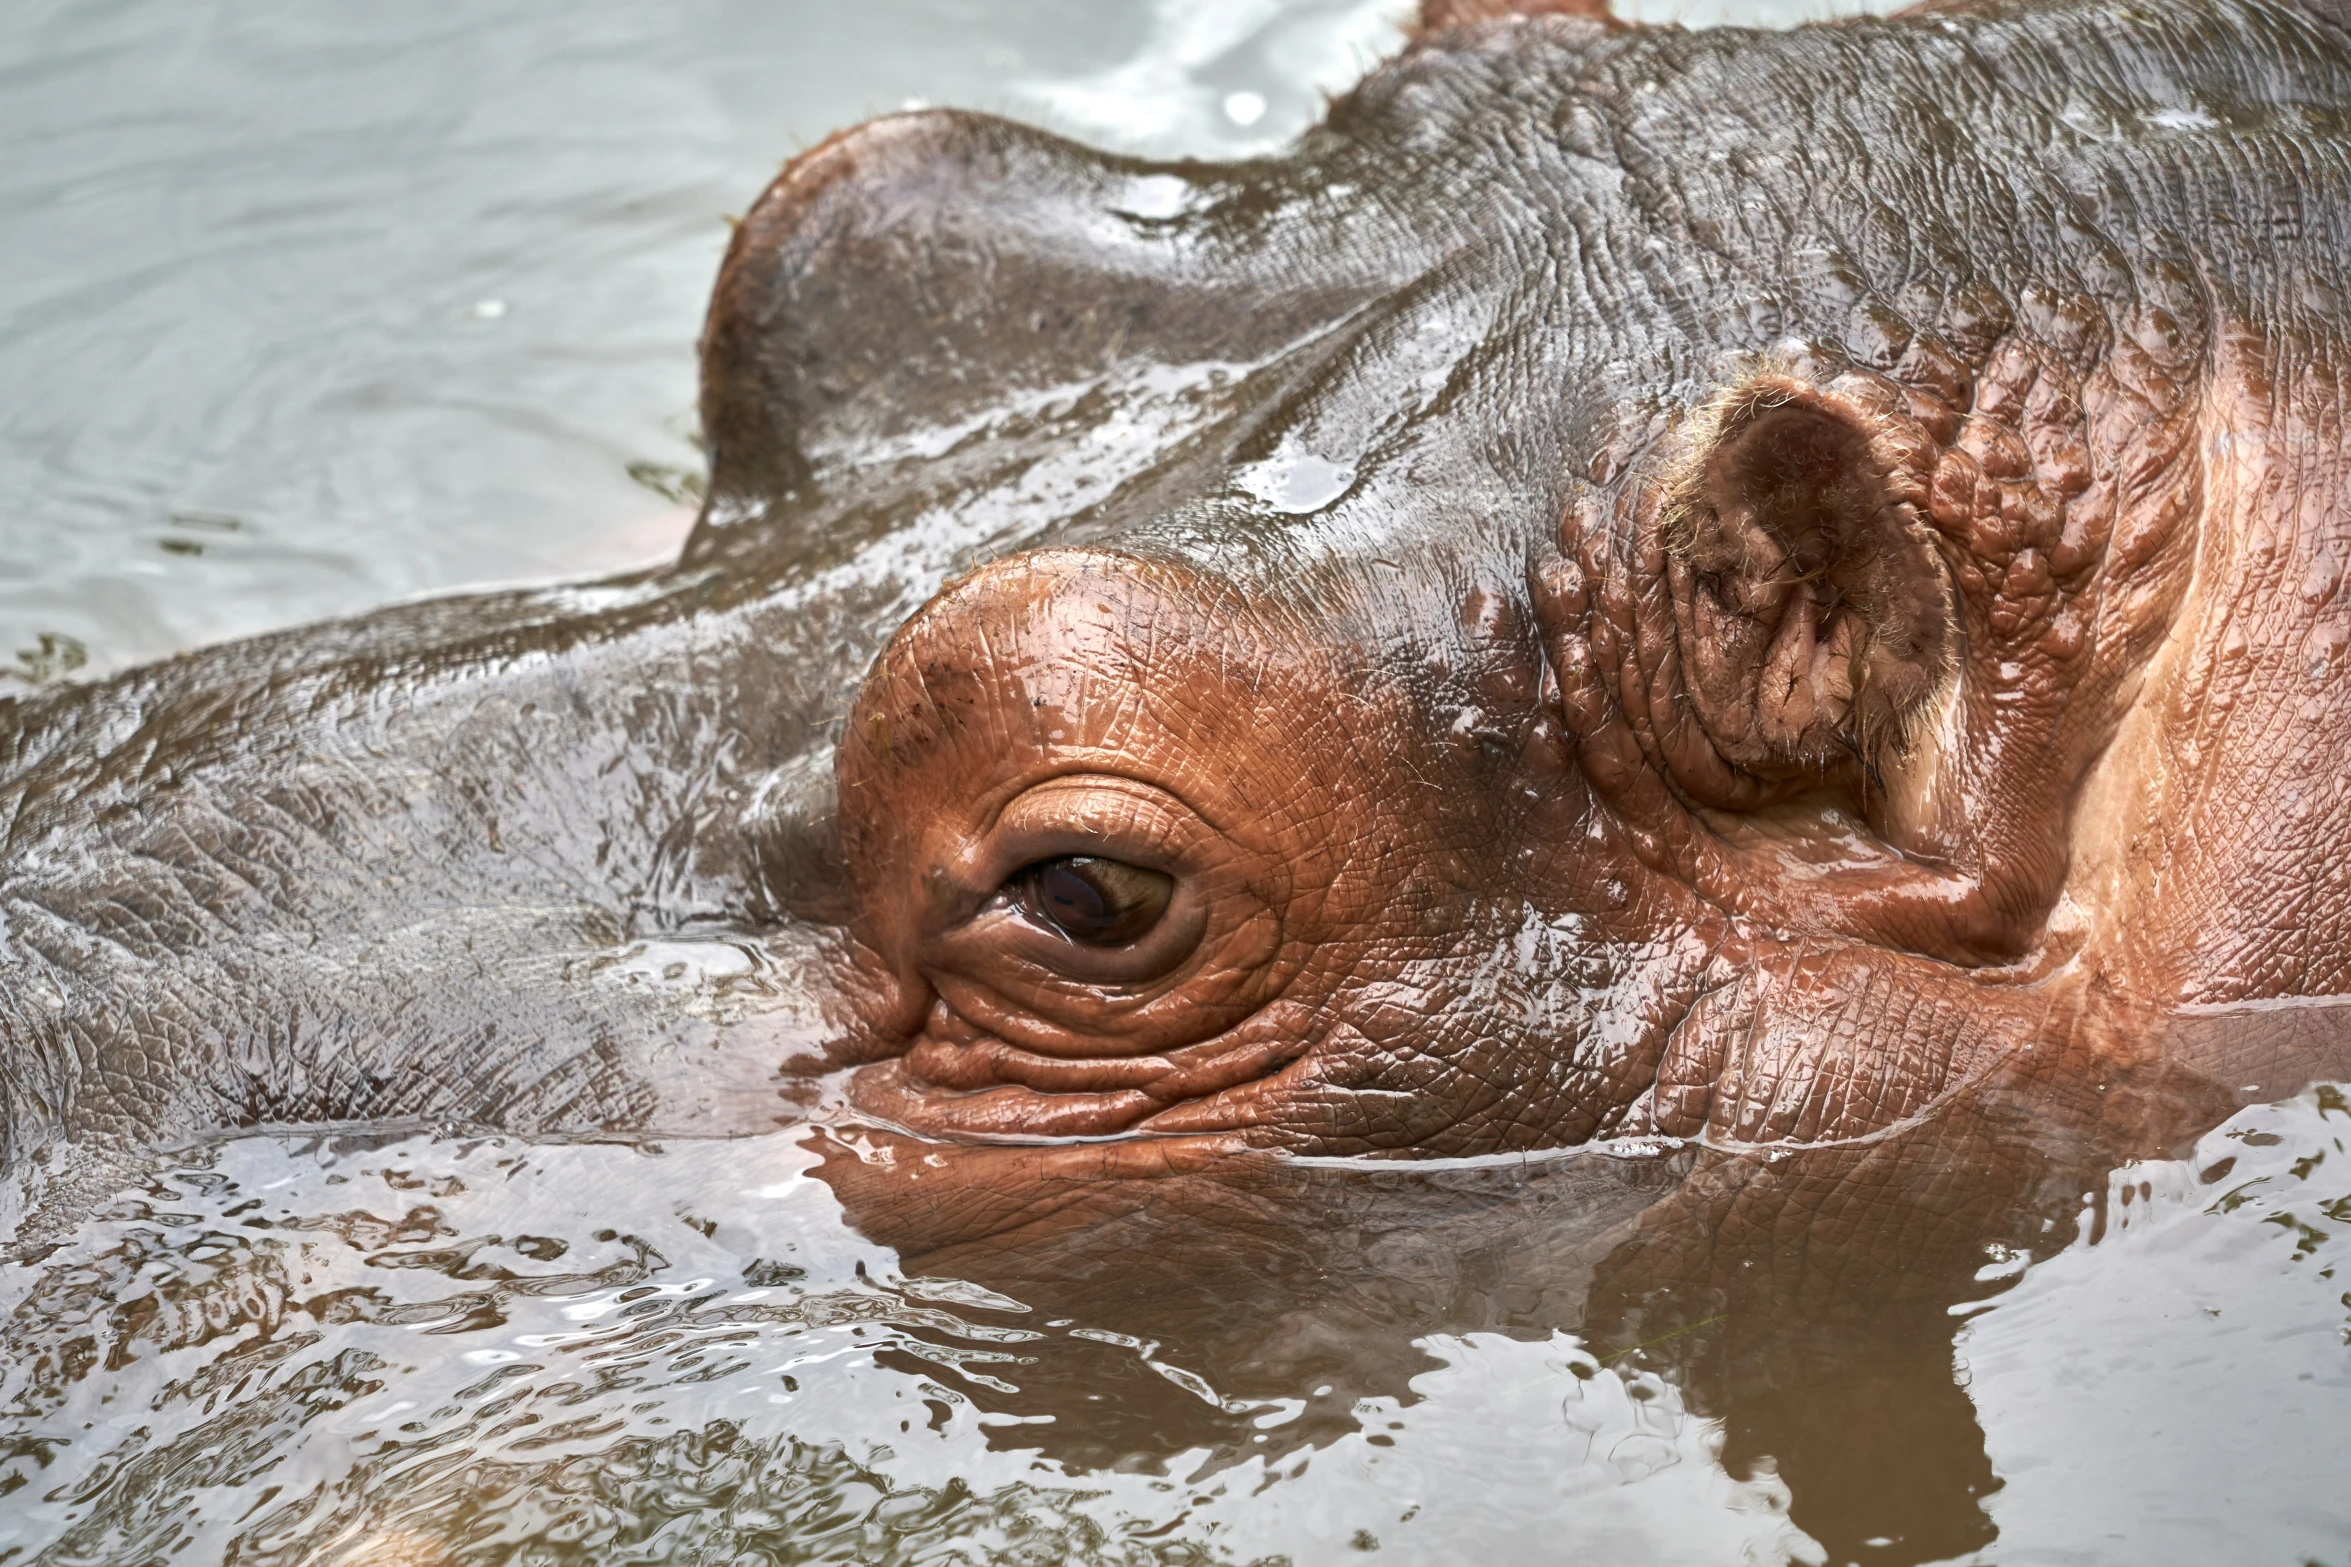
<point x="1712" y="585"/>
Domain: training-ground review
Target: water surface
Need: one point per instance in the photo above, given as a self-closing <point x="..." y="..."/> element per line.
<point x="418" y="1349"/>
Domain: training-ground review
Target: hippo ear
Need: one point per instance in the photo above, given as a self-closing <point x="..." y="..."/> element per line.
<point x="1814" y="615"/>
<point x="1457" y="13"/>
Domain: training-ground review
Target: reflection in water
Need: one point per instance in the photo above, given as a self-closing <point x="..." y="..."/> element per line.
<point x="834" y="1344"/>
<point x="2207" y="1335"/>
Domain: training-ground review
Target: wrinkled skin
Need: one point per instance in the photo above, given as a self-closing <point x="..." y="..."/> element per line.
<point x="1636" y="583"/>
<point x="1734" y="669"/>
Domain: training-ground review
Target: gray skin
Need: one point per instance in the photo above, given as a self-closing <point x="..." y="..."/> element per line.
<point x="568" y="860"/>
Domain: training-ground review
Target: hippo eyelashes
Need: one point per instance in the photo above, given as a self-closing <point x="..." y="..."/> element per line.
<point x="1094" y="901"/>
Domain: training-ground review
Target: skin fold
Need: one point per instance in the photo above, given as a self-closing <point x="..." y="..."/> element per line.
<point x="1710" y="586"/>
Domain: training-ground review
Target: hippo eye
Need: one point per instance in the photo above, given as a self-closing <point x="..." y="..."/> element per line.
<point x="1096" y="902"/>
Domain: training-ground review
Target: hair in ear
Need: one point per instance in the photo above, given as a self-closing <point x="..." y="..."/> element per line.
<point x="1815" y="618"/>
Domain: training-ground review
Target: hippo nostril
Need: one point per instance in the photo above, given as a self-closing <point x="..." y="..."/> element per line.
<point x="1099" y="902"/>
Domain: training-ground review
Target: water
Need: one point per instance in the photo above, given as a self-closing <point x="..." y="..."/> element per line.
<point x="314" y="308"/>
<point x="410" y="1349"/>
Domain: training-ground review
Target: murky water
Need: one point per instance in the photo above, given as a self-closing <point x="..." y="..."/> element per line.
<point x="403" y="1349"/>
<point x="308" y="308"/>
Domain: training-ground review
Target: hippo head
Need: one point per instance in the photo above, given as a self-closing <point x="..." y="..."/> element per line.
<point x="1553" y="610"/>
<point x="1630" y="583"/>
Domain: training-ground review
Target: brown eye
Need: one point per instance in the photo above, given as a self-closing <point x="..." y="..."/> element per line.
<point x="1101" y="903"/>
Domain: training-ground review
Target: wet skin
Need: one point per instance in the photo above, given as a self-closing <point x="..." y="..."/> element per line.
<point x="1711" y="585"/>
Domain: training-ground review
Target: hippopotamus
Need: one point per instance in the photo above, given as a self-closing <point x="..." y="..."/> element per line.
<point x="1632" y="584"/>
